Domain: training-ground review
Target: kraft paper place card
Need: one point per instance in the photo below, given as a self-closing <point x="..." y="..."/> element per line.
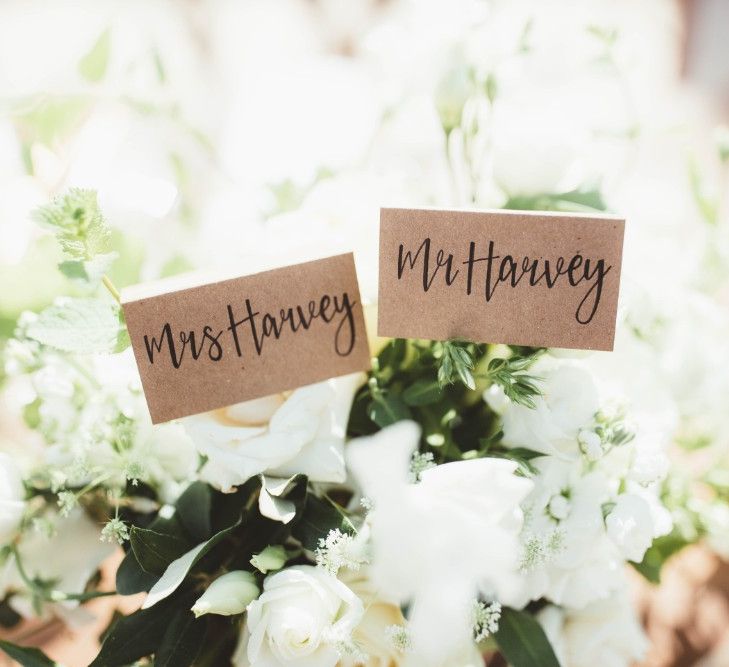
<point x="516" y="277"/>
<point x="215" y="344"/>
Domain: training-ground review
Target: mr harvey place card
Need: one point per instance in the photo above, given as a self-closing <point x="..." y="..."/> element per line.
<point x="220" y="343"/>
<point x="536" y="279"/>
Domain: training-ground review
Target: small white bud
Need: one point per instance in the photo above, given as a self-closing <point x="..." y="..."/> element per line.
<point x="590" y="444"/>
<point x="270" y="559"/>
<point x="228" y="595"/>
<point x="559" y="507"/>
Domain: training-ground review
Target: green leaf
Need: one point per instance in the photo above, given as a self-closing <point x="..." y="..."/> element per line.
<point x="522" y="640"/>
<point x="422" y="392"/>
<point x="178" y="569"/>
<point x="131" y="578"/>
<point x="137" y="635"/>
<point x="317" y="519"/>
<point x="80" y="326"/>
<point x="155" y="551"/>
<point x="94" y="64"/>
<point x="387" y="408"/>
<point x="193" y="510"/>
<point x="76" y="220"/>
<point x="26" y="656"/>
<point x="88" y="271"/>
<point x="182" y="641"/>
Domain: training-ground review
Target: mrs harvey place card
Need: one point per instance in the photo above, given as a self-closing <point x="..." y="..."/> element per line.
<point x="523" y="278"/>
<point x="215" y="344"/>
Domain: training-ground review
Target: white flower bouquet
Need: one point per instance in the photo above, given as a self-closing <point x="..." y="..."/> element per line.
<point x="461" y="504"/>
<point x="462" y="499"/>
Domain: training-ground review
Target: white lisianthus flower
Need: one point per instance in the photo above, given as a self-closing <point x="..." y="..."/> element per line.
<point x="605" y="633"/>
<point x="303" y="618"/>
<point x="228" y="595"/>
<point x="630" y="526"/>
<point x="12" y="504"/>
<point x="438" y="542"/>
<point x="281" y="435"/>
<point x="568" y="404"/>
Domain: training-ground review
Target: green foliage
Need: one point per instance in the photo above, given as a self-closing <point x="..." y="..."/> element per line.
<point x="76" y="220"/>
<point x="582" y="200"/>
<point x="93" y="65"/>
<point x="406" y="383"/>
<point x="512" y="376"/>
<point x="456" y="364"/>
<point x="658" y="553"/>
<point x="522" y="641"/>
<point x="81" y="326"/>
<point x="26" y="656"/>
<point x="316" y="520"/>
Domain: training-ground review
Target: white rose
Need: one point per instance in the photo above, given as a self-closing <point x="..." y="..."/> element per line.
<point x="12" y="493"/>
<point x="281" y="435"/>
<point x="300" y="618"/>
<point x="438" y="542"/>
<point x="568" y="403"/>
<point x="228" y="595"/>
<point x="605" y="633"/>
<point x="630" y="526"/>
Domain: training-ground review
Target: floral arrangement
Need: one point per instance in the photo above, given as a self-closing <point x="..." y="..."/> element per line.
<point x="460" y="499"/>
<point x="461" y="503"/>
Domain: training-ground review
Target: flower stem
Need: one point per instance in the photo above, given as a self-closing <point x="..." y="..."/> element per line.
<point x="112" y="288"/>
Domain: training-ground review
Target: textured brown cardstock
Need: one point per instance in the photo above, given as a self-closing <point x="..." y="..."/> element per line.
<point x="411" y="306"/>
<point x="331" y="343"/>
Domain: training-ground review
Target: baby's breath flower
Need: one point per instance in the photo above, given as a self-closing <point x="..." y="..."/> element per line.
<point x="133" y="472"/>
<point x="339" y="550"/>
<point x="44" y="526"/>
<point x="485" y="619"/>
<point x="539" y="549"/>
<point x="399" y="637"/>
<point x="67" y="500"/>
<point x="115" y="530"/>
<point x="420" y="462"/>
<point x="350" y="649"/>
<point x="366" y="503"/>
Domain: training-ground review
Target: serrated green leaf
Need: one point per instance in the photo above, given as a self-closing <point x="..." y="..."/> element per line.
<point x="27" y="656"/>
<point x="94" y="64"/>
<point x="422" y="392"/>
<point x="77" y="222"/>
<point x="88" y="271"/>
<point x="80" y="326"/>
<point x="522" y="640"/>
